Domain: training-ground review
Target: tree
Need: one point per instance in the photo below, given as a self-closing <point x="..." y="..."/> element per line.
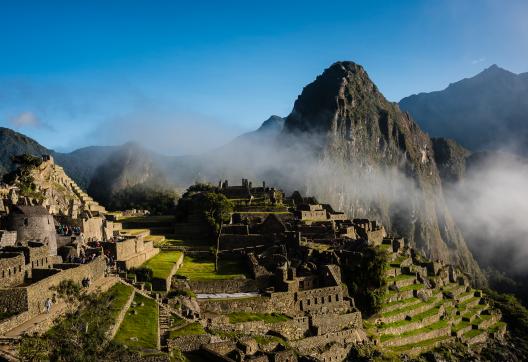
<point x="144" y="197"/>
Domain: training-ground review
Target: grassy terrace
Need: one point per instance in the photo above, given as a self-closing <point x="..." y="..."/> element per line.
<point x="404" y="302"/>
<point x="190" y="329"/>
<point x="473" y="333"/>
<point x="460" y="326"/>
<point x="119" y="294"/>
<point x="390" y="280"/>
<point x="469" y="301"/>
<point x="240" y="317"/>
<point x="406" y="289"/>
<point x="398" y="261"/>
<point x="426" y="343"/>
<point x="162" y="264"/>
<point x="140" y="329"/>
<point x="417" y="318"/>
<point x="408" y="308"/>
<point x="496" y="327"/>
<point x="431" y="327"/>
<point x="202" y="268"/>
<point x="134" y="232"/>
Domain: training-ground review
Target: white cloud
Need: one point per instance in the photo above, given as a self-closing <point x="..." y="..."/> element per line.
<point x="478" y="61"/>
<point x="25" y="119"/>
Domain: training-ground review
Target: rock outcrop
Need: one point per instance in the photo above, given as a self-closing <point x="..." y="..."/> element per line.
<point x="352" y="125"/>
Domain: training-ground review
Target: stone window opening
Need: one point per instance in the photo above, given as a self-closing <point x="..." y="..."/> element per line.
<point x="3" y="273"/>
<point x="26" y="221"/>
<point x="329" y="299"/>
<point x="337" y="298"/>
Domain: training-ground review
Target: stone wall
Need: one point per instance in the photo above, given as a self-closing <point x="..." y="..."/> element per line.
<point x="292" y="329"/>
<point x="320" y="300"/>
<point x="12" y="269"/>
<point x="34" y="227"/>
<point x="223" y="286"/>
<point x="12" y="322"/>
<point x="92" y="228"/>
<point x="400" y="341"/>
<point x="188" y="343"/>
<point x="14" y="300"/>
<point x="7" y="238"/>
<point x="225" y="306"/>
<point x="165" y="284"/>
<point x="335" y="322"/>
<point x="31" y="298"/>
<point x="234" y="241"/>
<point x="348" y="336"/>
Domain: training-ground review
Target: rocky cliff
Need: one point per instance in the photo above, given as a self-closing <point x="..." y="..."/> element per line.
<point x="351" y="125"/>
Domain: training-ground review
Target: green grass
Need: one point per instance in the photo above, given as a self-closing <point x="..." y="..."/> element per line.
<point x="473" y="333"/>
<point x="468" y="301"/>
<point x="162" y="264"/>
<point x="202" y="268"/>
<point x="412" y="287"/>
<point x="402" y="302"/>
<point x="426" y="343"/>
<point x="119" y="294"/>
<point x="400" y="277"/>
<point x="134" y="232"/>
<point x="239" y="317"/>
<point x="431" y="327"/>
<point x="417" y="318"/>
<point x="143" y="325"/>
<point x="407" y="308"/>
<point x="460" y="326"/>
<point x="496" y="327"/>
<point x="191" y="329"/>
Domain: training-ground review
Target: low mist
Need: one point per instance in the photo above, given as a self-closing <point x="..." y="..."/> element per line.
<point x="491" y="207"/>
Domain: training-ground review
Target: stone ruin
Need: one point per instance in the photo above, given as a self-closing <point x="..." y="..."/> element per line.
<point x="295" y="254"/>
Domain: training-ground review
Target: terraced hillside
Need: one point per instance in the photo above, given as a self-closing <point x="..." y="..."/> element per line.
<point x="428" y="304"/>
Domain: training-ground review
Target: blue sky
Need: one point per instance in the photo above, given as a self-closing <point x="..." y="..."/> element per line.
<point x="185" y="76"/>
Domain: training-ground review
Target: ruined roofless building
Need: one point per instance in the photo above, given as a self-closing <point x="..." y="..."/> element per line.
<point x="33" y="223"/>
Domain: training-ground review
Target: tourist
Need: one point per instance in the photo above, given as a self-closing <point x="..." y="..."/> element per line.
<point x="48" y="305"/>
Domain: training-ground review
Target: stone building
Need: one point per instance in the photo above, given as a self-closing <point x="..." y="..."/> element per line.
<point x="33" y="223"/>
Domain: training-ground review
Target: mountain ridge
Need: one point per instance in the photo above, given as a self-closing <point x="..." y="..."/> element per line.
<point x="486" y="111"/>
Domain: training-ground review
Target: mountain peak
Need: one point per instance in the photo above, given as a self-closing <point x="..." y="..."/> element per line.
<point x="274" y="123"/>
<point x="344" y="84"/>
<point x="494" y="71"/>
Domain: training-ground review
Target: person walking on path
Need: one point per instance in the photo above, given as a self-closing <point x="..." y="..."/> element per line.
<point x="48" y="305"/>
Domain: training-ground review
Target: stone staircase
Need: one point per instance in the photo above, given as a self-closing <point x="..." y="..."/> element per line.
<point x="417" y="317"/>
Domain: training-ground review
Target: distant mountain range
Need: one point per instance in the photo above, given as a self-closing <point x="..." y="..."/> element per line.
<point x="487" y="111"/>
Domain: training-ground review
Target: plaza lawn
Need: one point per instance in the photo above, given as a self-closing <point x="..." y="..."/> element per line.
<point x="202" y="268"/>
<point x="143" y="325"/>
<point x="162" y="264"/>
<point x="189" y="330"/>
<point x="119" y="294"/>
